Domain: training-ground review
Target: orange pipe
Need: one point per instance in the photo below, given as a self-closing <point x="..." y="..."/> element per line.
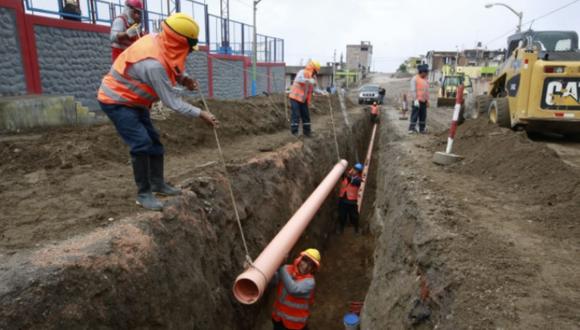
<point x="361" y="190"/>
<point x="250" y="285"/>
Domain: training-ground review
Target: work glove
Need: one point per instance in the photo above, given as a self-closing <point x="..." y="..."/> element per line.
<point x="416" y="103"/>
<point x="134" y="30"/>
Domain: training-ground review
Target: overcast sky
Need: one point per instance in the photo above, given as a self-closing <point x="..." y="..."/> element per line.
<point x="397" y="28"/>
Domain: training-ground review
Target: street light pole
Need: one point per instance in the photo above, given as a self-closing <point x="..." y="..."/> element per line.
<point x="520" y="14"/>
<point x="255" y="51"/>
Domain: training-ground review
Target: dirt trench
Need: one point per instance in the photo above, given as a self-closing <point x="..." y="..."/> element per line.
<point x="487" y="243"/>
<point x="174" y="269"/>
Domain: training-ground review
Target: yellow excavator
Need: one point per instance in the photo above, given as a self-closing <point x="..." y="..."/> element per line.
<point x="448" y="90"/>
<point x="537" y="88"/>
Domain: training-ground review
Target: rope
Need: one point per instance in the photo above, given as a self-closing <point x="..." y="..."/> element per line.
<point x="231" y="190"/>
<point x="333" y="127"/>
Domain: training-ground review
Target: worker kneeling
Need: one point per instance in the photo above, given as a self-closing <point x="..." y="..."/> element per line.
<point x="348" y="197"/>
<point x="295" y="291"/>
<point x="144" y="73"/>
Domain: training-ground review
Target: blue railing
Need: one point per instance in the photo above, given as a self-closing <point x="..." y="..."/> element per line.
<point x="269" y="49"/>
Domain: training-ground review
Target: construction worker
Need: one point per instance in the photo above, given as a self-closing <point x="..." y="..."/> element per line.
<point x="144" y="73"/>
<point x="420" y="96"/>
<point x="295" y="291"/>
<point x="300" y="95"/>
<point x="348" y="197"/>
<point x="374" y="113"/>
<point x="126" y="28"/>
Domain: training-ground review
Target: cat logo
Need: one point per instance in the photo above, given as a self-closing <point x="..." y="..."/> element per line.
<point x="559" y="93"/>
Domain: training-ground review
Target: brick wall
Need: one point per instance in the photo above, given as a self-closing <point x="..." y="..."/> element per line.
<point x="228" y="78"/>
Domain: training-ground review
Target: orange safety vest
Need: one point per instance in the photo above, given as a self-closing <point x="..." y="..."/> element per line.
<point x="352" y="191"/>
<point x="118" y="87"/>
<point x="115" y="49"/>
<point x="374" y="109"/>
<point x="302" y="92"/>
<point x="342" y="187"/>
<point x="422" y="89"/>
<point x="292" y="311"/>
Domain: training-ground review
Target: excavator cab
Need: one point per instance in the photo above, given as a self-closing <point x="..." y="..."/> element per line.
<point x="537" y="87"/>
<point x="448" y="90"/>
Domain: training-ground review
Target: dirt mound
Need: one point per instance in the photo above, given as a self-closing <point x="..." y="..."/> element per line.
<point x="531" y="171"/>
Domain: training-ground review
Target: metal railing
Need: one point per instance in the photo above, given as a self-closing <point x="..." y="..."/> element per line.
<point x="269" y="49"/>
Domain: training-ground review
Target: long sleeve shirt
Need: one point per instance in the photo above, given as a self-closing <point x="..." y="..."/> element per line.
<point x="152" y="73"/>
<point x="312" y="81"/>
<point x="301" y="289"/>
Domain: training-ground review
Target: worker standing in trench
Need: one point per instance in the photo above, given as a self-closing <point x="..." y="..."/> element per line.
<point x="126" y="28"/>
<point x="375" y="111"/>
<point x="295" y="291"/>
<point x="348" y="197"/>
<point x="420" y="95"/>
<point x="300" y="96"/>
<point x="144" y="73"/>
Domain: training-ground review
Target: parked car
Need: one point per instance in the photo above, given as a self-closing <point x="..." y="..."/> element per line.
<point x="368" y="94"/>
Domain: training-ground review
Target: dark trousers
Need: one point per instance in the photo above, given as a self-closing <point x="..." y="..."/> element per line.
<point x="300" y="112"/>
<point x="419" y="114"/>
<point x="135" y="128"/>
<point x="374" y="119"/>
<point x="280" y="326"/>
<point x="347" y="209"/>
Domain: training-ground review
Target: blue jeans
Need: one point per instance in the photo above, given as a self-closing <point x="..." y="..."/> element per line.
<point x="419" y="114"/>
<point x="300" y="112"/>
<point x="135" y="128"/>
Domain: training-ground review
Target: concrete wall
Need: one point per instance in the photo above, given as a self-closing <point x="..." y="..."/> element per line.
<point x="261" y="79"/>
<point x="196" y="67"/>
<point x="72" y="62"/>
<point x="278" y="73"/>
<point x="228" y="79"/>
<point x="12" y="78"/>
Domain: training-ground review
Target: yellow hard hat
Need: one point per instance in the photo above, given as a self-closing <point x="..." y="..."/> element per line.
<point x="315" y="65"/>
<point x="312" y="254"/>
<point x="186" y="26"/>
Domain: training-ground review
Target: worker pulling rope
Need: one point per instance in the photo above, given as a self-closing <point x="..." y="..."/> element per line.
<point x="333" y="127"/>
<point x="231" y="190"/>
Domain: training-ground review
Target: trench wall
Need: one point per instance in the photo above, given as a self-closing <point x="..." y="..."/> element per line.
<point x="174" y="269"/>
<point x="59" y="57"/>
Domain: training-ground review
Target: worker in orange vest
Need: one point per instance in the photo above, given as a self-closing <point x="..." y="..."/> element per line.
<point x="375" y="113"/>
<point x="144" y="73"/>
<point x="300" y="96"/>
<point x="295" y="291"/>
<point x="126" y="28"/>
<point x="348" y="197"/>
<point x="420" y="96"/>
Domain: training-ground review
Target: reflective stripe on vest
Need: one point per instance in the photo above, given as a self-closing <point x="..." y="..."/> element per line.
<point x="422" y="88"/>
<point x="118" y="88"/>
<point x="301" y="92"/>
<point x="352" y="192"/>
<point x="293" y="311"/>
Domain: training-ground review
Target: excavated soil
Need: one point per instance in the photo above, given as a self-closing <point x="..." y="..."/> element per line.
<point x="61" y="182"/>
<point x="488" y="243"/>
<point x="76" y="253"/>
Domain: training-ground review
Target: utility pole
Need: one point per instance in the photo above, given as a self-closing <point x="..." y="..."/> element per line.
<point x="255" y="50"/>
<point x="333" y="68"/>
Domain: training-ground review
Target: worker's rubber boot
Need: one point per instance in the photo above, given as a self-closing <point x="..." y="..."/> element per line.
<point x="145" y="197"/>
<point x="158" y="184"/>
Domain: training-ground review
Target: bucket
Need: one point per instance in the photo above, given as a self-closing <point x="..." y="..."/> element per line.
<point x="351" y="321"/>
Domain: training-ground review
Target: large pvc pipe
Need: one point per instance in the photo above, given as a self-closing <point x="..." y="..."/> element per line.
<point x="361" y="190"/>
<point x="250" y="285"/>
